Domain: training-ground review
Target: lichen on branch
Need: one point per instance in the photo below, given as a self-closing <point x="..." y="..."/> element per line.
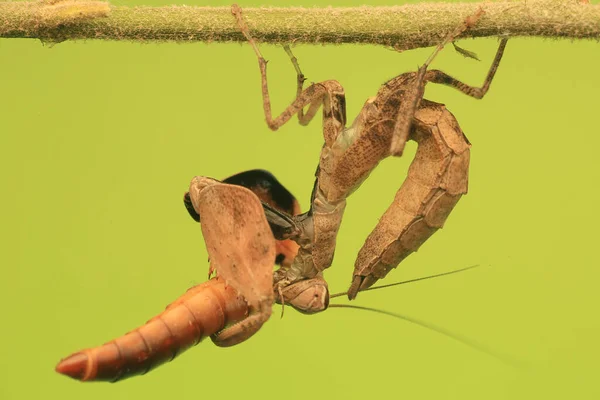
<point x="402" y="27"/>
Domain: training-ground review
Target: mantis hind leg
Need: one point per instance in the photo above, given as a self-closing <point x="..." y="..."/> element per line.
<point x="414" y="92"/>
<point x="303" y="119"/>
<point x="324" y="93"/>
<point x="442" y="78"/>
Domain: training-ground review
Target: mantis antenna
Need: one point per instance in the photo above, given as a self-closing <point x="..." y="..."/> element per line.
<point x="409" y="281"/>
<point x="459" y="338"/>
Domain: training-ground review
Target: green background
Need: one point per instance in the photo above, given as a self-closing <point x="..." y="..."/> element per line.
<point x="99" y="141"/>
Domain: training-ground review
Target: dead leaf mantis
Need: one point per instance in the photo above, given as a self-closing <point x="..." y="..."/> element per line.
<point x="240" y="239"/>
<point x="436" y="180"/>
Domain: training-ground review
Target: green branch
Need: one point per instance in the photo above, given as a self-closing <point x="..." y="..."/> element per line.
<point x="403" y="27"/>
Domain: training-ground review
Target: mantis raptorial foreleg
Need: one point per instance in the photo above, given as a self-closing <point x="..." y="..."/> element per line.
<point x="280" y="207"/>
<point x="241" y="249"/>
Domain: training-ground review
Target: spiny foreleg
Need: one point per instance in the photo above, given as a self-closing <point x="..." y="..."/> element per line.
<point x="241" y="248"/>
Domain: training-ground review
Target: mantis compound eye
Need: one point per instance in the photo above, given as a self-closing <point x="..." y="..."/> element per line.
<point x="191" y="197"/>
<point x="187" y="201"/>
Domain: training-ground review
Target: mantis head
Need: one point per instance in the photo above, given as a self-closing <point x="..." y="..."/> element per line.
<point x="308" y="296"/>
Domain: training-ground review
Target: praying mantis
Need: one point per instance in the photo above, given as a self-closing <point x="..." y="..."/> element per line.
<point x="246" y="229"/>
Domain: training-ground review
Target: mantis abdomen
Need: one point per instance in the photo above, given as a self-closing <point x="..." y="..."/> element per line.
<point x="437" y="178"/>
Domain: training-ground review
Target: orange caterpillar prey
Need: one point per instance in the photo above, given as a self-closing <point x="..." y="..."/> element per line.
<point x="202" y="311"/>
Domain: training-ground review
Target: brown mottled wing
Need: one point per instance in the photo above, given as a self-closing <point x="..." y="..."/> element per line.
<point x="239" y="241"/>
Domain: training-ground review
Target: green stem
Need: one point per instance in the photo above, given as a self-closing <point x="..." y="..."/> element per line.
<point x="402" y="27"/>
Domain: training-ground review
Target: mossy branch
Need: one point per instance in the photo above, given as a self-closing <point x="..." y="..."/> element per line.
<point x="403" y="27"/>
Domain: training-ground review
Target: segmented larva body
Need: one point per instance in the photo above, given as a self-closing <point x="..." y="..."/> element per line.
<point x="203" y="310"/>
